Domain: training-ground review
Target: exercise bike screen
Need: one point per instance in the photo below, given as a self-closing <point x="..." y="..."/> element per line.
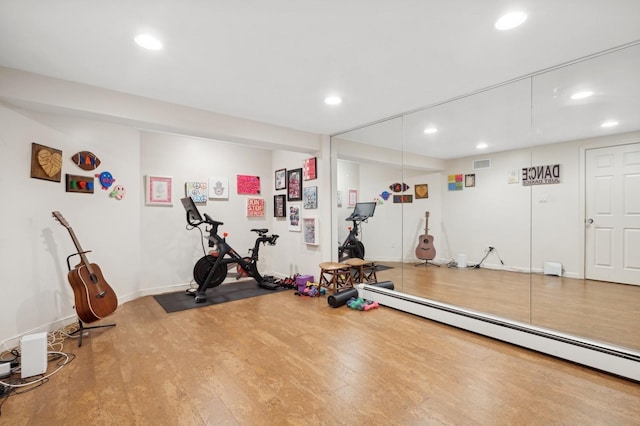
<point x="193" y="215"/>
<point x="365" y="210"/>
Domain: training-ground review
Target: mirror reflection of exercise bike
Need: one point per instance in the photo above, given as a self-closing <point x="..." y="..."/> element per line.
<point x="352" y="247"/>
<point x="211" y="270"/>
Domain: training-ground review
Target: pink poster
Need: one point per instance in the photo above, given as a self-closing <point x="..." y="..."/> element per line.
<point x="249" y="185"/>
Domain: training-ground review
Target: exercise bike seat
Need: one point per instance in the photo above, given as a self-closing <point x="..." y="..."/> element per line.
<point x="260" y="231"/>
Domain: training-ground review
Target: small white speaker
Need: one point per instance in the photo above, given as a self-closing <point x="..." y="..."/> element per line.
<point x="33" y="354"/>
<point x="553" y="268"/>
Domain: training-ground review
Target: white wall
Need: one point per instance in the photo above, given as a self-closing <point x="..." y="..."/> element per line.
<point x="34" y="247"/>
<point x="140" y="249"/>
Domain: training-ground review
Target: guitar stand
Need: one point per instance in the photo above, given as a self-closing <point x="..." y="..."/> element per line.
<point x="427" y="263"/>
<point x="491" y="250"/>
<point x="81" y="327"/>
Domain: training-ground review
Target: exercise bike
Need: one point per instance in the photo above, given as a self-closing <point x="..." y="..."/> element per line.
<point x="352" y="247"/>
<point x="211" y="270"/>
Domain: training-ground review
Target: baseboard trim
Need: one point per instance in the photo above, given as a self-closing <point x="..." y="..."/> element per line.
<point x="612" y="359"/>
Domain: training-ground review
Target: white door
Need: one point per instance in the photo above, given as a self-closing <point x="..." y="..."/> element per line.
<point x="612" y="231"/>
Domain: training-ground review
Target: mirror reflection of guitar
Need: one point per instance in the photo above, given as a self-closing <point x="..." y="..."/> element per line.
<point x="94" y="298"/>
<point x="425" y="249"/>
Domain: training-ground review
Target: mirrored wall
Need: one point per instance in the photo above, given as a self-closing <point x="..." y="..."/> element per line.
<point x="521" y="200"/>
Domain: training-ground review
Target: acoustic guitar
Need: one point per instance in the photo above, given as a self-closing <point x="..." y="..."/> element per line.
<point x="94" y="298"/>
<point x="425" y="249"/>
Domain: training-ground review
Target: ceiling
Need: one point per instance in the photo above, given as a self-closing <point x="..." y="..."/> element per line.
<point x="275" y="61"/>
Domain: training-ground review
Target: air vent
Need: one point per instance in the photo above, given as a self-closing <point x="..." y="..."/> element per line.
<point x="481" y="164"/>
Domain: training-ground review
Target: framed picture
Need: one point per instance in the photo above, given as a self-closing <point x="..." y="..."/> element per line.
<point x="353" y="198"/>
<point x="470" y="180"/>
<point x="197" y="191"/>
<point x="294" y="185"/>
<point x="294" y="217"/>
<point x="158" y="190"/>
<point x="280" y="205"/>
<point x="255" y="207"/>
<point x="218" y="187"/>
<point x="310" y="197"/>
<point x="309" y="169"/>
<point x="421" y="190"/>
<point x="46" y="163"/>
<point x="310" y="231"/>
<point x="281" y="179"/>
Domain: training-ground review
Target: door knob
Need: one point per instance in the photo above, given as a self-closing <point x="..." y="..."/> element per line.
<point x="589" y="221"/>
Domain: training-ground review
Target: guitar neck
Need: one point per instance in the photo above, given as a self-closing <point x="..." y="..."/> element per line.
<point x="81" y="252"/>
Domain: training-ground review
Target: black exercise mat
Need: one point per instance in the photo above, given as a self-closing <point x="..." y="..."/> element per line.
<point x="180" y="301"/>
<point x="383" y="268"/>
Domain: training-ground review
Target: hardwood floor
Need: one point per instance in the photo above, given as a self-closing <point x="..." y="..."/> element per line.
<point x="282" y="359"/>
<point x="598" y="310"/>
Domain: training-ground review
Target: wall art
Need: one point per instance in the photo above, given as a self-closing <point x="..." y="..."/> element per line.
<point x="106" y="179"/>
<point x="81" y="184"/>
<point x="310" y="169"/>
<point x="398" y="187"/>
<point x="353" y="198"/>
<point x="405" y="198"/>
<point x="421" y="190"/>
<point x="248" y="185"/>
<point x="86" y="160"/>
<point x="218" y="187"/>
<point x="46" y="163"/>
<point x="310" y="197"/>
<point x="118" y="192"/>
<point x="255" y="207"/>
<point x="294" y="217"/>
<point x="454" y="182"/>
<point x="197" y="191"/>
<point x="310" y="231"/>
<point x="470" y="180"/>
<point x="281" y="179"/>
<point x="158" y="190"/>
<point x="294" y="185"/>
<point x="280" y="205"/>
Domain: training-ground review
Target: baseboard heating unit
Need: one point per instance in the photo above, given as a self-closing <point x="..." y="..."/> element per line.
<point x="613" y="359"/>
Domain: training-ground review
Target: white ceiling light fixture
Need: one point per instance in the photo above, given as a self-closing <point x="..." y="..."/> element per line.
<point x="430" y="130"/>
<point x="609" y="123"/>
<point x="148" y="42"/>
<point x="582" y="95"/>
<point x="482" y="145"/>
<point x="333" y="100"/>
<point x="510" y="20"/>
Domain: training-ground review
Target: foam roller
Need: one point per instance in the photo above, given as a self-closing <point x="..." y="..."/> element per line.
<point x="384" y="284"/>
<point x="342" y="297"/>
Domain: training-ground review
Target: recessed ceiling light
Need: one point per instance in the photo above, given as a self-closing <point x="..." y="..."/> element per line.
<point x="510" y="20"/>
<point x="610" y="123"/>
<point x="430" y="130"/>
<point x="333" y="100"/>
<point x="148" y="42"/>
<point x="482" y="145"/>
<point x="581" y="95"/>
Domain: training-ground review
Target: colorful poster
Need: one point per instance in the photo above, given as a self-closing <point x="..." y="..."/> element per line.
<point x="455" y="182"/>
<point x="255" y="207"/>
<point x="197" y="191"/>
<point x="248" y="185"/>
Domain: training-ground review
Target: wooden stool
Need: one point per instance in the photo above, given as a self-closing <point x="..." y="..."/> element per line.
<point x="364" y="271"/>
<point x="336" y="276"/>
